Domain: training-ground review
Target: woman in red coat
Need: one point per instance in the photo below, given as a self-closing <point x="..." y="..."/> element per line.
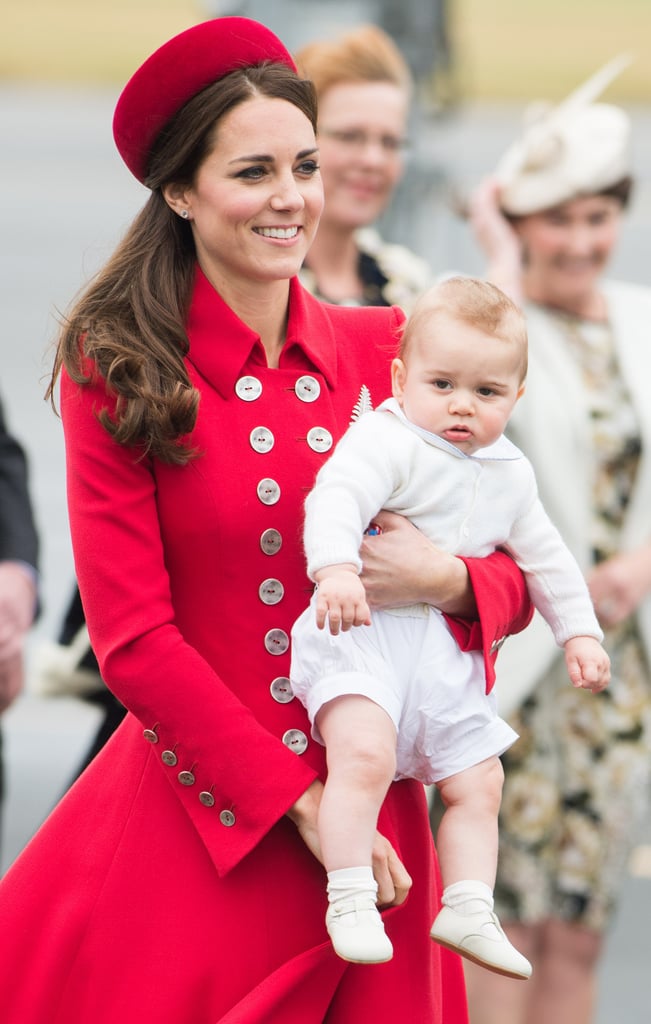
<point x="179" y="881"/>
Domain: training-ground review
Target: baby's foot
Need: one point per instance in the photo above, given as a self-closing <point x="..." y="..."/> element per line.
<point x="357" y="931"/>
<point x="479" y="937"/>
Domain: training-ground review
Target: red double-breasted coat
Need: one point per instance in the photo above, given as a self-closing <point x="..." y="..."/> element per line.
<point x="168" y="886"/>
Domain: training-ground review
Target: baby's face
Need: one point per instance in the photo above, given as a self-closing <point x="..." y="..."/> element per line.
<point x="458" y="382"/>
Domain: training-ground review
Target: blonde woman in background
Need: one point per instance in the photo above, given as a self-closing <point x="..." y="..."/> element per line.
<point x="577" y="781"/>
<point x="364" y="89"/>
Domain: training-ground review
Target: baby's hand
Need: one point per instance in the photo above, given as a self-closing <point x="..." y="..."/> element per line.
<point x="341" y="599"/>
<point x="587" y="663"/>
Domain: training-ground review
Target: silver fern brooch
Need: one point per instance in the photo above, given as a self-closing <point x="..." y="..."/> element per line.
<point x="362" y="405"/>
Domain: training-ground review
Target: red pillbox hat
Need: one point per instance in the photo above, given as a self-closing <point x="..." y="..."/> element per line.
<point x="180" y="69"/>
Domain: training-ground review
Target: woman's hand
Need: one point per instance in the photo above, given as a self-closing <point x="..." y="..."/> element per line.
<point x="305" y="815"/>
<point x="12" y="677"/>
<point x="390" y="874"/>
<point x="619" y="585"/>
<point x="393" y="881"/>
<point x="401" y="567"/>
<point x="17" y="604"/>
<point x="497" y="238"/>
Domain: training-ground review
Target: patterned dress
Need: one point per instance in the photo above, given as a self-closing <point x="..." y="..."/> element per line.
<point x="577" y="781"/>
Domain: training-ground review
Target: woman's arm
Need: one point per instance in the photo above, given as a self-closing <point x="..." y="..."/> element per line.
<point x="484" y="599"/>
<point x="18" y="564"/>
<point x="620" y="584"/>
<point x="402" y="567"/>
<point x="162" y="679"/>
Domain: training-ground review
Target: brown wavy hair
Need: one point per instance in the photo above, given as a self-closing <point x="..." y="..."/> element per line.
<point x="130" y="320"/>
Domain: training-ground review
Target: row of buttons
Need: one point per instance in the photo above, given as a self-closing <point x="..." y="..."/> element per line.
<point x="188" y="778"/>
<point x="271" y="590"/>
<point x="262" y="440"/>
<point x="295" y="739"/>
<point x="249" y="388"/>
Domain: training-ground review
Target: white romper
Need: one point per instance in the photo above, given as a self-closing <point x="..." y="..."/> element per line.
<point x="407" y="660"/>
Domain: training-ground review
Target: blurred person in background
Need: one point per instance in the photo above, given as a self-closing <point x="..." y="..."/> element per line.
<point x="364" y="89"/>
<point x="67" y="667"/>
<point x="19" y="547"/>
<point x="111" y="710"/>
<point x="577" y="781"/>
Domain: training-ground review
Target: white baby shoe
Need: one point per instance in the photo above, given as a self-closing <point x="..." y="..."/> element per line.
<point x="357" y="931"/>
<point x="479" y="937"/>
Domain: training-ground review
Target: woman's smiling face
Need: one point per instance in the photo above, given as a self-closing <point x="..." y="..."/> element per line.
<point x="567" y="247"/>
<point x="256" y="200"/>
<point x="362" y="129"/>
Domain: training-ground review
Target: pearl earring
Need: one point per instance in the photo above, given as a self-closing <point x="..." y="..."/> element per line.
<point x="185" y="214"/>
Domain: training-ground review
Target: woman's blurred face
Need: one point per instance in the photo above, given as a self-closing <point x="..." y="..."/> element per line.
<point x="362" y="135"/>
<point x="566" y="248"/>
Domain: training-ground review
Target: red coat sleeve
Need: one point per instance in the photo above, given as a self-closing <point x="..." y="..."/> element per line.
<point x="143" y="656"/>
<point x="503" y="606"/>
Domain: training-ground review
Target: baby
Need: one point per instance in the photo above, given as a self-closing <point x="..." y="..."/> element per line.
<point x="397" y="698"/>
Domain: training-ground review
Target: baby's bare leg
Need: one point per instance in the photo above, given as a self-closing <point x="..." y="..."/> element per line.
<point x="360" y="741"/>
<point x="467" y="836"/>
<point x="467" y="846"/>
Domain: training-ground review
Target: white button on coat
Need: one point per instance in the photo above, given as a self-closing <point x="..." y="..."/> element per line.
<point x="268" y="491"/>
<point x="281" y="690"/>
<point x="248" y="388"/>
<point x="276" y="641"/>
<point x="296" y="740"/>
<point x="307" y="388"/>
<point x="262" y="440"/>
<point x="271" y="591"/>
<point x="319" y="439"/>
<point x="271" y="542"/>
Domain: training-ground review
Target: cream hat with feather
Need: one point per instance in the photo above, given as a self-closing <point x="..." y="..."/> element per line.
<point x="576" y="148"/>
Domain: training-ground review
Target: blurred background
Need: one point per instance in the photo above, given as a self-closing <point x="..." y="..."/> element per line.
<point x="66" y="198"/>
<point x="503" y="50"/>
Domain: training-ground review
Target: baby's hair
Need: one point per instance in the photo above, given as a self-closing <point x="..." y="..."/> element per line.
<point x="475" y="302"/>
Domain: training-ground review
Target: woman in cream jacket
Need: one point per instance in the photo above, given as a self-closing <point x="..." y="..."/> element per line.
<point x="577" y="781"/>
